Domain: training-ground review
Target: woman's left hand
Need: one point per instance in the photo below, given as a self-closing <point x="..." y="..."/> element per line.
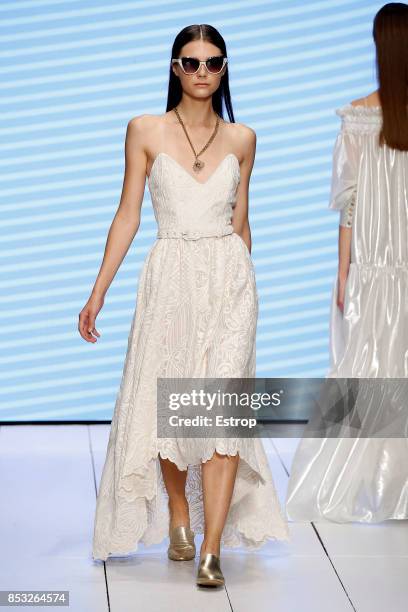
<point x="341" y="287"/>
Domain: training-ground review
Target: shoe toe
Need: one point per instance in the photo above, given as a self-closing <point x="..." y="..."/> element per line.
<point x="209" y="571"/>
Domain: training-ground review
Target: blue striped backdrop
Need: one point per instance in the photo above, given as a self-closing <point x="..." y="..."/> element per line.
<point x="72" y="75"/>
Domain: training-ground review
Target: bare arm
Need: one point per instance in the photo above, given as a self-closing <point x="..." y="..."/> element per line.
<point x="123" y="227"/>
<point x="240" y="220"/>
<point x="344" y="263"/>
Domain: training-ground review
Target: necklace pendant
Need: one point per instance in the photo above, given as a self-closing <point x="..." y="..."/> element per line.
<point x="198" y="165"/>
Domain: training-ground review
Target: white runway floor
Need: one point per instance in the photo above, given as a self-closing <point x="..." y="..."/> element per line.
<point x="48" y="479"/>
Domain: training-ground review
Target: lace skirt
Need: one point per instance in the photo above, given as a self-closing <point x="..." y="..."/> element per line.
<point x="195" y="316"/>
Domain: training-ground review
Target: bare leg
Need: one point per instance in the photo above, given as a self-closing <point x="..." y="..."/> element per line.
<point x="175" y="481"/>
<point x="218" y="478"/>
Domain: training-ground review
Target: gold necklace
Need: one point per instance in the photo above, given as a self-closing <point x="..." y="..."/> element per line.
<point x="198" y="163"/>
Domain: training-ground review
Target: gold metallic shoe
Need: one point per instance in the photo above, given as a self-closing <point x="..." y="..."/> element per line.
<point x="181" y="547"/>
<point x="209" y="571"/>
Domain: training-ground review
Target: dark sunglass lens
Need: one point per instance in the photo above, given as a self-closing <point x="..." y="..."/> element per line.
<point x="214" y="64"/>
<point x="190" y="64"/>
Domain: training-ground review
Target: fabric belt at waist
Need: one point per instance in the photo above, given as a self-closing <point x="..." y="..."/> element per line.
<point x="195" y="234"/>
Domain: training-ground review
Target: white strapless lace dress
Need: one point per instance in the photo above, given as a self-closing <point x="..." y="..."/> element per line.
<point x="196" y="316"/>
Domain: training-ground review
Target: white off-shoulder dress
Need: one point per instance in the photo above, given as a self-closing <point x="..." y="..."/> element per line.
<point x="364" y="478"/>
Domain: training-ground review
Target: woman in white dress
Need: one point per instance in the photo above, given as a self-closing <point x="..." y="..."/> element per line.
<point x="362" y="478"/>
<point x="196" y="316"/>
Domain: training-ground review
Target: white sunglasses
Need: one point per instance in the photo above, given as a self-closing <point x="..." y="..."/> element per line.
<point x="191" y="65"/>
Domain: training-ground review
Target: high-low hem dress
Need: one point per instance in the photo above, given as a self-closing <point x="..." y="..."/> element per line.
<point x="364" y="479"/>
<point x="196" y="316"/>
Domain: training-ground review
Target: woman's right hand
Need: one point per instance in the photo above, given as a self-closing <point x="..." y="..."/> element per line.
<point x="87" y="316"/>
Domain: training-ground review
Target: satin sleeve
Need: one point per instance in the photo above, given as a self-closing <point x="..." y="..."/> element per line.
<point x="344" y="176"/>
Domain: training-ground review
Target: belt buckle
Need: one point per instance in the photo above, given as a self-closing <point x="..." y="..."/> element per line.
<point x="190" y="235"/>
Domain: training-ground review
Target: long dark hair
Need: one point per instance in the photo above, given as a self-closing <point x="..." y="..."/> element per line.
<point x="390" y="33"/>
<point x="210" y="34"/>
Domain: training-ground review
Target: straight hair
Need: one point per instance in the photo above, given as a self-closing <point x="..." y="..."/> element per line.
<point x="390" y="33"/>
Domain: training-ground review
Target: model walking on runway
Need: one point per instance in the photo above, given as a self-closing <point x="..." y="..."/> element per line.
<point x="365" y="479"/>
<point x="195" y="316"/>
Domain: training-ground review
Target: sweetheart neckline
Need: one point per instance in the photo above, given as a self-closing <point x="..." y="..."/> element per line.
<point x="187" y="172"/>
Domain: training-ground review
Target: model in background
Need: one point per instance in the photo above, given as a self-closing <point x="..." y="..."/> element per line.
<point x="366" y="478"/>
<point x="196" y="317"/>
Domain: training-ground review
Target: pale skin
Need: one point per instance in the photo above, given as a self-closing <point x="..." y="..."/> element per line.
<point x="146" y="136"/>
<point x="372" y="99"/>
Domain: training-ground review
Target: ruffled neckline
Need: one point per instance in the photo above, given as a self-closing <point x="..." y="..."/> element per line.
<point x="370" y="113"/>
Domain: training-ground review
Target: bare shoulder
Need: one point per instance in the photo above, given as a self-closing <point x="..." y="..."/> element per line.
<point x="357" y="102"/>
<point x="243" y="134"/>
<point x="142" y="130"/>
<point x="144" y="122"/>
<point x="243" y="140"/>
<point x="371" y="100"/>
